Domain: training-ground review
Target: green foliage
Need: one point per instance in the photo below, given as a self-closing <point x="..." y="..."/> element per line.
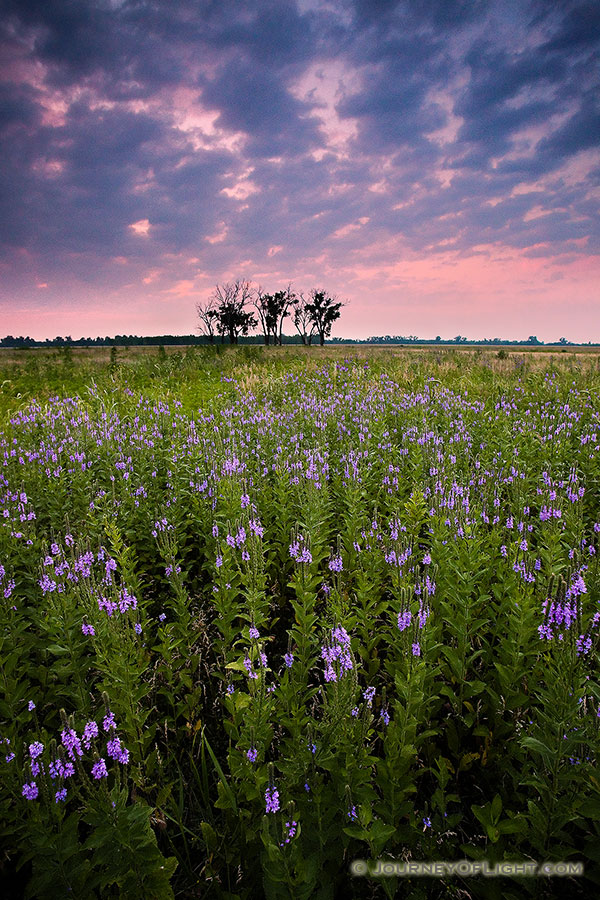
<point x="369" y="585"/>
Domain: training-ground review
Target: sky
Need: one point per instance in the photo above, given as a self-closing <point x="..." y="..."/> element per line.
<point x="434" y="164"/>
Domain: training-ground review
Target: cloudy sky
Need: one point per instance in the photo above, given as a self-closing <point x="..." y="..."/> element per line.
<point x="434" y="163"/>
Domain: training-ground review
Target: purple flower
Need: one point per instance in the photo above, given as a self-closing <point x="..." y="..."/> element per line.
<point x="35" y="749"/>
<point x="291" y="828"/>
<point x="31" y="706"/>
<point x="30" y="791"/>
<point x="385" y="716"/>
<point x="289" y="660"/>
<point x="71" y="742"/>
<point x="137" y="628"/>
<point x="404" y="619"/>
<point x="116" y="751"/>
<point x="352" y="814"/>
<point x="109" y="721"/>
<point x="335" y="564"/>
<point x="88" y="629"/>
<point x="248" y="667"/>
<point x="60" y="795"/>
<point x="368" y="695"/>
<point x="416" y="649"/>
<point x="99" y="770"/>
<point x="272" y="799"/>
<point x="252" y="755"/>
<point x="426" y="822"/>
<point x="89" y="733"/>
<point x="253" y="632"/>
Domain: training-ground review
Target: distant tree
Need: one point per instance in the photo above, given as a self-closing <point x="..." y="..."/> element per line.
<point x="562" y="340"/>
<point x="232" y="317"/>
<point x="532" y="339"/>
<point x="323" y="311"/>
<point x="280" y="306"/>
<point x="261" y="302"/>
<point x="208" y="314"/>
<point x="303" y="321"/>
<point x="438" y="339"/>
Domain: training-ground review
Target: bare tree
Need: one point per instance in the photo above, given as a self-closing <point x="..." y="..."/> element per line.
<point x="207" y="314"/>
<point x="302" y="319"/>
<point x="261" y="302"/>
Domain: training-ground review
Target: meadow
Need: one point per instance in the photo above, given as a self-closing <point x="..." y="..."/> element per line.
<point x="268" y="611"/>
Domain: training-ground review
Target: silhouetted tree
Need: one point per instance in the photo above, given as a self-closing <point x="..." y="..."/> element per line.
<point x="232" y="317"/>
<point x="303" y="321"/>
<point x="323" y="312"/>
<point x="208" y="314"/>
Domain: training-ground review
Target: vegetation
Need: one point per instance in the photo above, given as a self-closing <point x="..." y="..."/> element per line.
<point x="264" y="613"/>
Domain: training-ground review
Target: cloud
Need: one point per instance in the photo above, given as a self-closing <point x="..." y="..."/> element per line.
<point x="290" y="136"/>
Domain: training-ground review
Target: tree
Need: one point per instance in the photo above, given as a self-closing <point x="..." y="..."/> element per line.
<point x="261" y="303"/>
<point x="232" y="318"/>
<point x="207" y="313"/>
<point x="282" y="301"/>
<point x="272" y="309"/>
<point x="303" y="319"/>
<point x="323" y="312"/>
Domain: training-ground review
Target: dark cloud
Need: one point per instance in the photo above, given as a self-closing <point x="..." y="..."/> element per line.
<point x="92" y="136"/>
<point x="250" y="98"/>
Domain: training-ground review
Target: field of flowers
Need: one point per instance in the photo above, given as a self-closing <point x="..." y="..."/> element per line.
<point x="264" y="614"/>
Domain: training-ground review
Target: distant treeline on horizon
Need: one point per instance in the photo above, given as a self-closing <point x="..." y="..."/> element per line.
<point x="132" y="340"/>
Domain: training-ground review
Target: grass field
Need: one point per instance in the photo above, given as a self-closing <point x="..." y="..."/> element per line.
<point x="265" y="612"/>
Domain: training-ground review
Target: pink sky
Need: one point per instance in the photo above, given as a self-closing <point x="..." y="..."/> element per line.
<point x="438" y="175"/>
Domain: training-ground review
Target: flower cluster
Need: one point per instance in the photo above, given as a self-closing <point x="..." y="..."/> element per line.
<point x="336" y="654"/>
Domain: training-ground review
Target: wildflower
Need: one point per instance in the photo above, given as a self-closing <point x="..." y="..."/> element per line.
<point x="252" y="754"/>
<point x="35" y="749"/>
<point x="71" y="742"/>
<point x="248" y="667"/>
<point x="416" y="649"/>
<point x="291" y="832"/>
<point x="109" y="721"/>
<point x="137" y="628"/>
<point x="385" y="716"/>
<point x="368" y="695"/>
<point x="88" y="629"/>
<point x="99" y="770"/>
<point x="60" y="795"/>
<point x="404" y="619"/>
<point x="116" y="751"/>
<point x="289" y="660"/>
<point x="89" y="733"/>
<point x="335" y="564"/>
<point x="426" y="822"/>
<point x="162" y="617"/>
<point x="352" y="815"/>
<point x="30" y="791"/>
<point x="31" y="706"/>
<point x="272" y="799"/>
<point x="253" y="632"/>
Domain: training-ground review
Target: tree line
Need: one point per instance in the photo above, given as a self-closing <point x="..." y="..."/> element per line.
<point x="236" y="307"/>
